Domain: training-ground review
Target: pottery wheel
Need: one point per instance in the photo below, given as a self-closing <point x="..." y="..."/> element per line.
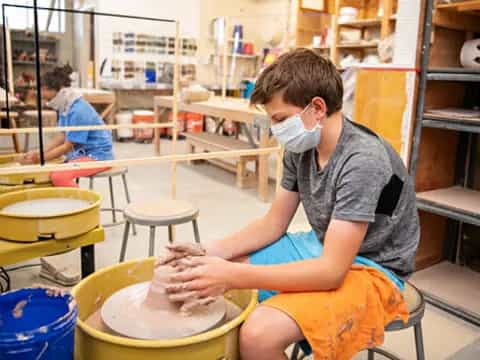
<point x="45" y="207"/>
<point x="124" y="312"/>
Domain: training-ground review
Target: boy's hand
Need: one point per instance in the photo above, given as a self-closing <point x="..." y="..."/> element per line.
<point x="202" y="277"/>
<point x="180" y="251"/>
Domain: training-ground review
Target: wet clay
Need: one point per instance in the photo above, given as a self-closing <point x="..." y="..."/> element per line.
<point x="95" y="320"/>
<point x="144" y="311"/>
<point x="17" y="311"/>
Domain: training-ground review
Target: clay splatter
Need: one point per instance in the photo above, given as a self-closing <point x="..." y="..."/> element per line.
<point x="17" y="312"/>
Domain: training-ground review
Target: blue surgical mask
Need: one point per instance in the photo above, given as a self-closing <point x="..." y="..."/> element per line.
<point x="292" y="134"/>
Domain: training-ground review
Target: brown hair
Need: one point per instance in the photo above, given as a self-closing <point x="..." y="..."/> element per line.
<point x="300" y="75"/>
<point x="57" y="78"/>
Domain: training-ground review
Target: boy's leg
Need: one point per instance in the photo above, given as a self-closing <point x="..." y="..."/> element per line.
<point x="269" y="331"/>
<point x="266" y="334"/>
<point x="66" y="178"/>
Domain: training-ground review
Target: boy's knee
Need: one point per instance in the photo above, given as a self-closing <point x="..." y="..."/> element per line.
<point x="256" y="335"/>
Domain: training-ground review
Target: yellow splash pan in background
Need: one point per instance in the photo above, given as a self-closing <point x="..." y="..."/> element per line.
<point x="10" y="188"/>
<point x="91" y="293"/>
<point x="20" y="179"/>
<point x="69" y="224"/>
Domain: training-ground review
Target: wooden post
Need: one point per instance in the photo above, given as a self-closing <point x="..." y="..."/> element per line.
<point x="175" y="107"/>
<point x="9" y="60"/>
<point x="225" y="61"/>
<point x="263" y="166"/>
<point x="278" y="179"/>
<point x="386" y="23"/>
<point x="156" y="136"/>
<point x="335" y="34"/>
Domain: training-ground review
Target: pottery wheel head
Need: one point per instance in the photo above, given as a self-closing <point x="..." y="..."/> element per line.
<point x="125" y="312"/>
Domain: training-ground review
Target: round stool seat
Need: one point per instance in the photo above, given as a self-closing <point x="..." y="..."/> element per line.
<point x="115" y="171"/>
<point x="161" y="212"/>
<point x="415" y="305"/>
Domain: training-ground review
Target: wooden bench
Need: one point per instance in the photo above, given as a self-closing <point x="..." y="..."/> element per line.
<point x="214" y="142"/>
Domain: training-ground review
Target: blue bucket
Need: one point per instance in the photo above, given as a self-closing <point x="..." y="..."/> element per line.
<point x="43" y="329"/>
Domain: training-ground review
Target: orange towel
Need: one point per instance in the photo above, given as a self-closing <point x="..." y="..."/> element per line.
<point x="340" y="323"/>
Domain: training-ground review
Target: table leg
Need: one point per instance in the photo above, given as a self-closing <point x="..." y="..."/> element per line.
<point x="88" y="260"/>
<point x="156" y="131"/>
<point x="263" y="166"/>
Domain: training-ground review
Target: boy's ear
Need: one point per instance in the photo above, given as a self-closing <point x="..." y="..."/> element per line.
<point x="320" y="106"/>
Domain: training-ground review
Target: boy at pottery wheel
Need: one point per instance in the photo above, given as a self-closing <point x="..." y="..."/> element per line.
<point x="75" y="146"/>
<point x="334" y="288"/>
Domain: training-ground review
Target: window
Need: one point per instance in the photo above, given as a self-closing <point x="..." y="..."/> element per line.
<point x="20" y="18"/>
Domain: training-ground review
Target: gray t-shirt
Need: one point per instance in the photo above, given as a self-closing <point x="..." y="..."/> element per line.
<point x="364" y="180"/>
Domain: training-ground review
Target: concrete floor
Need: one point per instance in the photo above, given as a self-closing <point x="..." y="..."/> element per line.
<point x="223" y="209"/>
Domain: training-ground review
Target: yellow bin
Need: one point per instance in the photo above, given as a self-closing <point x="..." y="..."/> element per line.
<point x="33" y="228"/>
<point x="90" y="294"/>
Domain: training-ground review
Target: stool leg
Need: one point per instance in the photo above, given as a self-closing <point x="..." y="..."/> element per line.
<point x="127" y="196"/>
<point x="170" y="234"/>
<point x="419" y="341"/>
<point x="112" y="199"/>
<point x="90" y="184"/>
<point x="295" y="352"/>
<point x="125" y="241"/>
<point x="151" y="248"/>
<point x="371" y="354"/>
<point x="195" y="231"/>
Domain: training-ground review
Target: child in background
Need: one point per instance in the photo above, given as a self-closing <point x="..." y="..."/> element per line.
<point x="77" y="146"/>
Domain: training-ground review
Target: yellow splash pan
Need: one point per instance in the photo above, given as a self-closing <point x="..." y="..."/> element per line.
<point x="66" y="225"/>
<point x="90" y="294"/>
<point x="10" y="188"/>
<point x="20" y="179"/>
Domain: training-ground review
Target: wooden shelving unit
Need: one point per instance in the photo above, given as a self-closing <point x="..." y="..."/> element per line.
<point x="312" y="23"/>
<point x="368" y="19"/>
<point x="443" y="160"/>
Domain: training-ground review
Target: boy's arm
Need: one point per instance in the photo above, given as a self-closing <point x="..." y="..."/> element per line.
<point x="342" y="241"/>
<point x="261" y="232"/>
<point x="211" y="276"/>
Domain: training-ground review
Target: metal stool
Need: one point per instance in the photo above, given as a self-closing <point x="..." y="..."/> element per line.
<point x="110" y="174"/>
<point x="159" y="213"/>
<point x="416" y="307"/>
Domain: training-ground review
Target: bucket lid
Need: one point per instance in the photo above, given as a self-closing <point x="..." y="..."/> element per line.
<point x="31" y="313"/>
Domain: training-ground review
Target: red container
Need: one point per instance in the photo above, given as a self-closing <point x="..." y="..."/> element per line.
<point x="248" y="48"/>
<point x="194" y="122"/>
<point x="143" y="117"/>
<point x="180" y="122"/>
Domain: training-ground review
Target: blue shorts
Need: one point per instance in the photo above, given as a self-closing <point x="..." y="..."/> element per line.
<point x="303" y="246"/>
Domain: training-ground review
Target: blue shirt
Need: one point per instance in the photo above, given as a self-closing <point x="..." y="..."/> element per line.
<point x="96" y="144"/>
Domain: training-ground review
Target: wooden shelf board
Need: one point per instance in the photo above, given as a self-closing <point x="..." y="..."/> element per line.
<point x="456" y="20"/>
<point x="455" y="202"/>
<point x="360" y="45"/>
<point x="464" y="124"/>
<point x="47" y="63"/>
<point x="453" y="74"/>
<point x="452" y="117"/>
<point x="462" y="6"/>
<point x="361" y="23"/>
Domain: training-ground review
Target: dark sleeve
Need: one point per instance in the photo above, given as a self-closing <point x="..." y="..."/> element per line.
<point x="289" y="178"/>
<point x="359" y="186"/>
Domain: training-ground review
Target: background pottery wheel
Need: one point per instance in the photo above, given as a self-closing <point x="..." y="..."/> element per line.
<point x="125" y="314"/>
<point x="45" y="207"/>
